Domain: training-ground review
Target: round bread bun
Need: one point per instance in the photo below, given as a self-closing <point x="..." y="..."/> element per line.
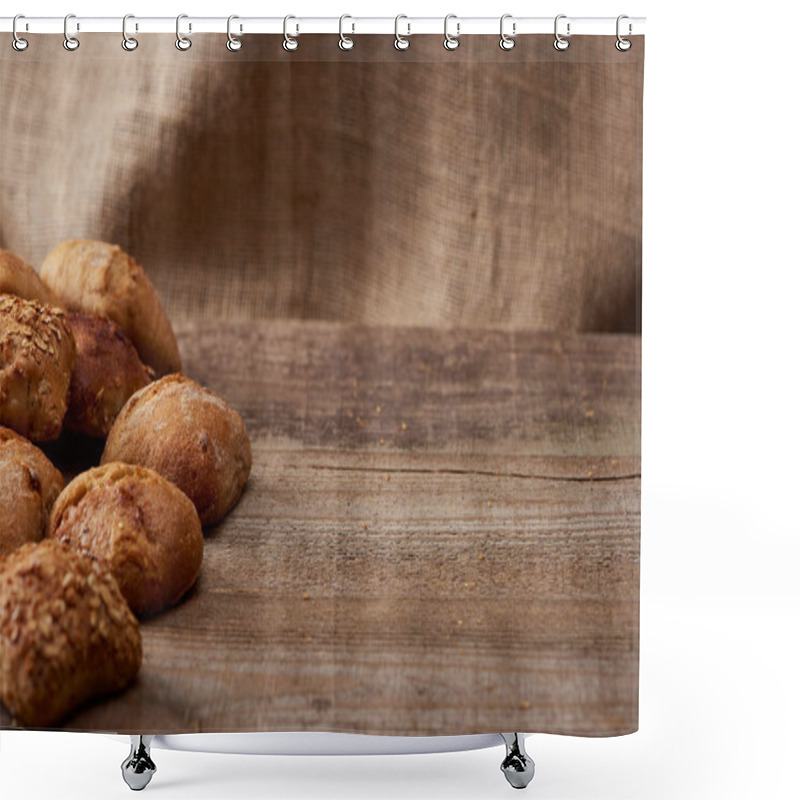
<point x="66" y="633"/>
<point x="107" y="372"/>
<point x="190" y="436"/>
<point x="37" y="355"/>
<point x="98" y="278"/>
<point x="29" y="485"/>
<point x="141" y="525"/>
<point x="20" y="278"/>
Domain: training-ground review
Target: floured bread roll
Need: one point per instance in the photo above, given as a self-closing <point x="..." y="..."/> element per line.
<point x="20" y="278"/>
<point x="191" y="437"/>
<point x="29" y="485"/>
<point x="98" y="278"/>
<point x="66" y="633"/>
<point x="107" y="372"/>
<point x="140" y="524"/>
<point x="37" y="354"/>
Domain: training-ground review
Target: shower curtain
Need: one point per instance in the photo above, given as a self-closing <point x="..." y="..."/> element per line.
<point x="405" y="289"/>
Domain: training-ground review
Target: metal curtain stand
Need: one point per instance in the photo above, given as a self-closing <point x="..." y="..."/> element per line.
<point x="138" y="768"/>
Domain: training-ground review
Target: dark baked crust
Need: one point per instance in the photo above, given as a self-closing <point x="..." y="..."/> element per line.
<point x="66" y="633"/>
<point x="37" y="355"/>
<point x="20" y="278"/>
<point x="29" y="485"/>
<point x="141" y="525"/>
<point x="99" y="278"/>
<point x="107" y="372"/>
<point x="190" y="436"/>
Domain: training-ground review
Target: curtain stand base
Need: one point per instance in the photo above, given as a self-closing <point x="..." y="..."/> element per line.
<point x="138" y="768"/>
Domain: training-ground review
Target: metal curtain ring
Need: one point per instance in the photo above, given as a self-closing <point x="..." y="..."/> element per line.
<point x="70" y="42"/>
<point x="128" y="42"/>
<point x="181" y="42"/>
<point x="451" y="42"/>
<point x="623" y="45"/>
<point x="401" y="42"/>
<point x="17" y="42"/>
<point x="289" y="42"/>
<point x="561" y="43"/>
<point x="234" y="43"/>
<point x="506" y="41"/>
<point x="345" y="42"/>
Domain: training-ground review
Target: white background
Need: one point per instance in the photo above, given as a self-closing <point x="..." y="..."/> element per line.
<point x="720" y="612"/>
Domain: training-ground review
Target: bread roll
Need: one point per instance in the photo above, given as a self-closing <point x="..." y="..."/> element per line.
<point x="21" y="279"/>
<point x="107" y="372"/>
<point x="98" y="278"/>
<point x="191" y="437"/>
<point x="37" y="354"/>
<point x="66" y="633"/>
<point x="141" y="525"/>
<point x="29" y="485"/>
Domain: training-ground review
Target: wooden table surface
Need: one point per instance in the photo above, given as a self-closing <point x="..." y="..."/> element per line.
<point x="440" y="535"/>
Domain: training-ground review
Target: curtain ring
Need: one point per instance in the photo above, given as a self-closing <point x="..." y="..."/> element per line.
<point x="289" y="42"/>
<point x="18" y="43"/>
<point x="181" y="42"/>
<point x="451" y="42"/>
<point x="506" y="41"/>
<point x="561" y="43"/>
<point x="401" y="42"/>
<point x="345" y="42"/>
<point x="234" y="43"/>
<point x="128" y="42"/>
<point x="70" y="42"/>
<point x="623" y="45"/>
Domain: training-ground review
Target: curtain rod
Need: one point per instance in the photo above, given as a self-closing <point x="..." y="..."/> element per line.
<point x="348" y="25"/>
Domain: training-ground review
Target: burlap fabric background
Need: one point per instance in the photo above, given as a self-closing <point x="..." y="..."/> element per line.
<point x="468" y="188"/>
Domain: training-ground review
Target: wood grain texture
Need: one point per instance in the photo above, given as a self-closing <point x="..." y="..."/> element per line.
<point x="440" y="535"/>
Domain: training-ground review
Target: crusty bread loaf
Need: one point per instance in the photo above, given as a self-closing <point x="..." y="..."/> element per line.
<point x="29" y="485"/>
<point x="21" y="279"/>
<point x="98" y="278"/>
<point x="37" y="355"/>
<point x="140" y="524"/>
<point x="191" y="437"/>
<point x="107" y="372"/>
<point x="66" y="633"/>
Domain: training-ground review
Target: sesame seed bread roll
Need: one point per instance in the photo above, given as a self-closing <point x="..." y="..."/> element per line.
<point x="107" y="372"/>
<point x="66" y="633"/>
<point x="141" y="525"/>
<point x="29" y="485"/>
<point x="37" y="355"/>
<point x="190" y="436"/>
<point x="21" y="279"/>
<point x="99" y="278"/>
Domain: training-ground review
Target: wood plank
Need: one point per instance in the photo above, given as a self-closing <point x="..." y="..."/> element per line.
<point x="440" y="535"/>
